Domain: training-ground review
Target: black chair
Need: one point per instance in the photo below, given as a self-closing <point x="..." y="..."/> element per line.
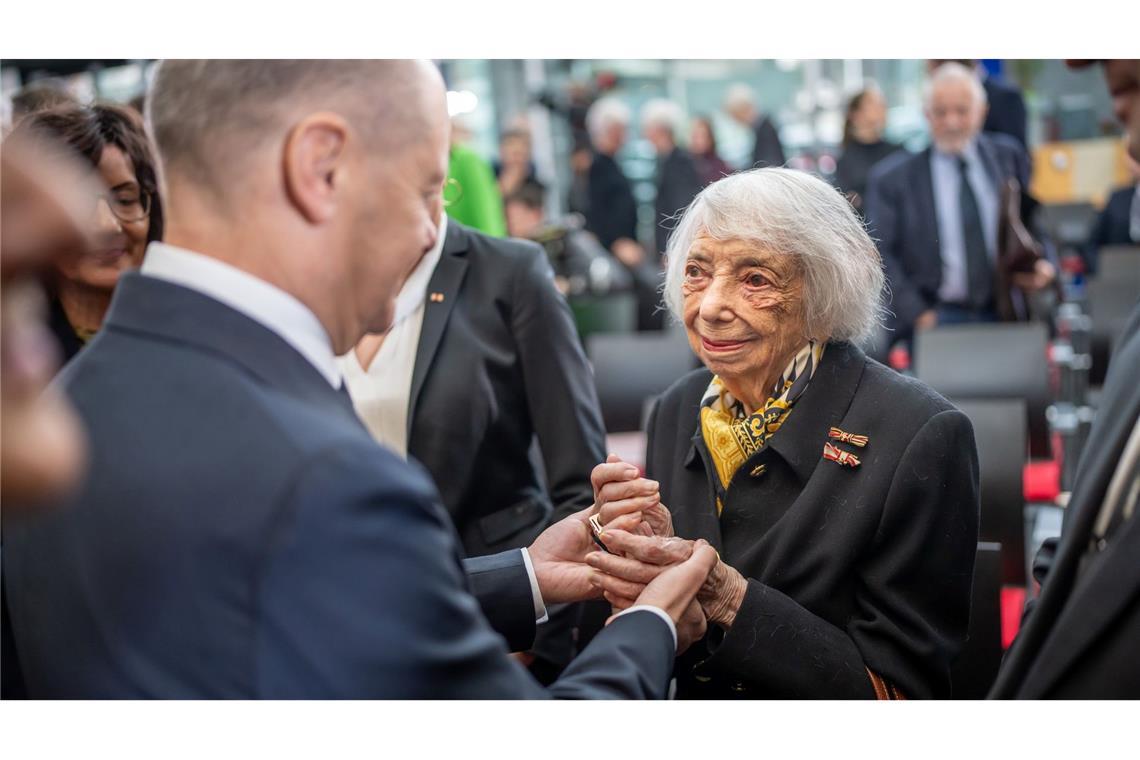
<point x="974" y="671"/>
<point x="999" y="431"/>
<point x="630" y="369"/>
<point x="995" y="361"/>
<point x="1069" y="224"/>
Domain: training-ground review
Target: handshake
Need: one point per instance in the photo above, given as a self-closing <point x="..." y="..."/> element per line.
<point x="643" y="562"/>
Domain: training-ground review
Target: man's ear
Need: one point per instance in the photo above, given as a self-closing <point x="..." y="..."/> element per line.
<point x="314" y="165"/>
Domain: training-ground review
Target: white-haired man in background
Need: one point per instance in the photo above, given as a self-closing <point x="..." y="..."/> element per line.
<point x="677" y="179"/>
<point x="740" y="104"/>
<point x="936" y="213"/>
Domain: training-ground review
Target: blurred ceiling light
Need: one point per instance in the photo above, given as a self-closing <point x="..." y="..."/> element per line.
<point x="461" y="102"/>
<point x="787" y="64"/>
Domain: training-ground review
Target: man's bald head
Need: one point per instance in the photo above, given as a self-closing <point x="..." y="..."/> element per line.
<point x="209" y="118"/>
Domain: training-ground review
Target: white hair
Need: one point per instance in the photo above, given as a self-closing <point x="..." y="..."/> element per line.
<point x="605" y="113"/>
<point x="953" y="72"/>
<point x="738" y="96"/>
<point x="663" y="114"/>
<point x="793" y="213"/>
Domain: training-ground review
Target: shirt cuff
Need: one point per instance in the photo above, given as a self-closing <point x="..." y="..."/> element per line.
<point x="659" y="613"/>
<point x="540" y="615"/>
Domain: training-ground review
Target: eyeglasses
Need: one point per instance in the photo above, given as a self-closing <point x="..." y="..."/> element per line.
<point x="126" y="205"/>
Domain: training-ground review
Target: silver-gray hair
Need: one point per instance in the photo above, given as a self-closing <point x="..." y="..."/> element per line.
<point x="605" y="113"/>
<point x="794" y="213"/>
<point x="953" y="72"/>
<point x="739" y="95"/>
<point x="663" y="114"/>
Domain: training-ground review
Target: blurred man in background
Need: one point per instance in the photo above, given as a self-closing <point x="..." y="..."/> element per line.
<point x="677" y="179"/>
<point x="740" y="104"/>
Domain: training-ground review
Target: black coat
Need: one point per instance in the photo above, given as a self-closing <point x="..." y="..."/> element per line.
<point x="612" y="210"/>
<point x="241" y="535"/>
<point x="900" y="211"/>
<point x="766" y="147"/>
<point x="499" y="363"/>
<point x="847" y="568"/>
<point x="1006" y="114"/>
<point x="677" y="184"/>
<point x="1080" y="640"/>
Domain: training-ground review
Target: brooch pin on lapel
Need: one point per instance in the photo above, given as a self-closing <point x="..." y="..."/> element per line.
<point x="852" y="438"/>
<point x="437" y="297"/>
<point x="845" y="458"/>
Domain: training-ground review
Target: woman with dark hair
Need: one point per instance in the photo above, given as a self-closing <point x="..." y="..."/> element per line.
<point x="125" y="216"/>
<point x="702" y="146"/>
<point x="863" y="143"/>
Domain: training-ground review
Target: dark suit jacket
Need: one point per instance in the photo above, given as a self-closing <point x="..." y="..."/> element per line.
<point x="677" y="184"/>
<point x="241" y="535"/>
<point x="900" y="210"/>
<point x="1113" y="225"/>
<point x="612" y="211"/>
<point x="1006" y="113"/>
<point x="766" y="148"/>
<point x="847" y="568"/>
<point x="1080" y="640"/>
<point x="498" y="363"/>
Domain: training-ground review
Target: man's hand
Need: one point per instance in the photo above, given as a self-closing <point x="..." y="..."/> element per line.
<point x="674" y="591"/>
<point x="558" y="556"/>
<point x="928" y="320"/>
<point x="625" y="501"/>
<point x="1040" y="278"/>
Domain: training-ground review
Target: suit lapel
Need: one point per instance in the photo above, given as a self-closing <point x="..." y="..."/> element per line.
<point x="927" y="208"/>
<point x="445" y="281"/>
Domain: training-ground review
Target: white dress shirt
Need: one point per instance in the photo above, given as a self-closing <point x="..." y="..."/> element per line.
<point x="382" y="392"/>
<point x="278" y="312"/>
<point x="947" y="179"/>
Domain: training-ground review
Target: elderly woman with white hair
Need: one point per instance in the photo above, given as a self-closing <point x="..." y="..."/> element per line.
<point x="841" y="496"/>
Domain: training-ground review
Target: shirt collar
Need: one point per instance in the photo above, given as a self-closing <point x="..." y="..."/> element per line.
<point x="970" y="153"/>
<point x="255" y="298"/>
<point x="415" y="287"/>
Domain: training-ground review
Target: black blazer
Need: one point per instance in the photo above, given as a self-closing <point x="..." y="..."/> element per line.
<point x="766" y="147"/>
<point x="499" y="363"/>
<point x="1080" y="640"/>
<point x="677" y="184"/>
<point x="847" y="568"/>
<point x="1006" y="114"/>
<point x="241" y="535"/>
<point x="900" y="210"/>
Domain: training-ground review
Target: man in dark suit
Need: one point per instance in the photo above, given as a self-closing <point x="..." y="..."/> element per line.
<point x="1079" y="641"/>
<point x="1119" y="221"/>
<point x="677" y="179"/>
<point x="767" y="149"/>
<point x="612" y="210"/>
<point x="935" y="214"/>
<point x="239" y="533"/>
<point x="482" y="361"/>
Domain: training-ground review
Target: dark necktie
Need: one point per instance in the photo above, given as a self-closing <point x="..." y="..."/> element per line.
<point x="979" y="272"/>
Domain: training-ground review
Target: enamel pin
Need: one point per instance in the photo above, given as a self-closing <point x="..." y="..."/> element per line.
<point x="437" y="297"/>
<point x="845" y="458"/>
<point x="852" y="438"/>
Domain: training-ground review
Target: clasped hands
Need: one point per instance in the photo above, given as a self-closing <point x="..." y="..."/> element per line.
<point x="646" y="564"/>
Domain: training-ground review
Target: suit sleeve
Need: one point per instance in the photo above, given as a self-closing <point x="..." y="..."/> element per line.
<point x="881" y="208"/>
<point x="559" y="385"/>
<point x="363" y="595"/>
<point x="913" y="606"/>
<point x="502" y="586"/>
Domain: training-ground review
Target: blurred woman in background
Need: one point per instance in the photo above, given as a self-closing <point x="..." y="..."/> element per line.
<point x="124" y="217"/>
<point x="702" y="144"/>
<point x="863" y="143"/>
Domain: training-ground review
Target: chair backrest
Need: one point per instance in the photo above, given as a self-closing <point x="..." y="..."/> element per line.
<point x="1120" y="264"/>
<point x="1068" y="223"/>
<point x="609" y="313"/>
<point x="999" y="431"/>
<point x="980" y="361"/>
<point x="974" y="671"/>
<point x="631" y="368"/>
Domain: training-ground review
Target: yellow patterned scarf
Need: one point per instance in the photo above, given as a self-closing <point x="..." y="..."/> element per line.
<point x="732" y="436"/>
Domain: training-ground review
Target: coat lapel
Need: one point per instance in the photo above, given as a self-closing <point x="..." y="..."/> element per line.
<point x="445" y="281"/>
